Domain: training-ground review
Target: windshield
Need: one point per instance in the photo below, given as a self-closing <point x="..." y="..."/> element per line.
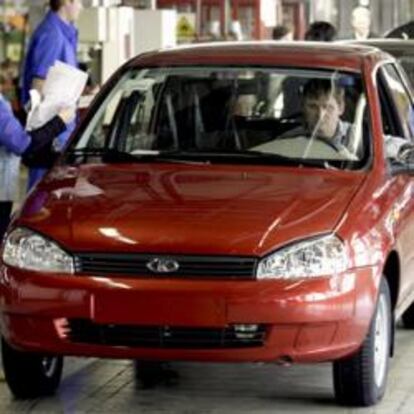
<point x="215" y="114"/>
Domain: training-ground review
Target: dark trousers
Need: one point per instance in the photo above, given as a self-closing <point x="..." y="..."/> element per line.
<point x="5" y="211"/>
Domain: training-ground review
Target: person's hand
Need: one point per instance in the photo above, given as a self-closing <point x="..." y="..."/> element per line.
<point x="67" y="114"/>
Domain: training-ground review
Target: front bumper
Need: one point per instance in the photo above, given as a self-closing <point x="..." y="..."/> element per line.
<point x="305" y="321"/>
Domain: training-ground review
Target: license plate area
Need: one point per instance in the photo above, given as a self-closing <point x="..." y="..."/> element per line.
<point x="157" y="309"/>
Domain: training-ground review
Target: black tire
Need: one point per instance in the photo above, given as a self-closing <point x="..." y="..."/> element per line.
<point x="30" y="375"/>
<point x="408" y="317"/>
<point x="355" y="381"/>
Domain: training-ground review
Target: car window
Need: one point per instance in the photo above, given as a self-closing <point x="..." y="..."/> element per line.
<point x="407" y="62"/>
<point x="401" y="98"/>
<point x="297" y="114"/>
<point x="390" y="124"/>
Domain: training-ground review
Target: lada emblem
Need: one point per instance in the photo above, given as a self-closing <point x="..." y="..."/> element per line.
<point x="161" y="265"/>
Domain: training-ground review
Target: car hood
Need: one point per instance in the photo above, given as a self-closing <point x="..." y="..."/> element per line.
<point x="187" y="209"/>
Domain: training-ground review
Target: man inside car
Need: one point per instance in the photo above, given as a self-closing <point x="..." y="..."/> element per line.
<point x="323" y="134"/>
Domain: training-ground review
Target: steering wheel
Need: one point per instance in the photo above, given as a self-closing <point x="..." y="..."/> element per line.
<point x="342" y="150"/>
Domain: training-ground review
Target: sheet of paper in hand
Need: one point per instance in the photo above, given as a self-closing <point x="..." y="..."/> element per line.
<point x="63" y="87"/>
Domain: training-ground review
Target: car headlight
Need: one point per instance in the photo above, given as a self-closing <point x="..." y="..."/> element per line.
<point x="28" y="250"/>
<point x="323" y="256"/>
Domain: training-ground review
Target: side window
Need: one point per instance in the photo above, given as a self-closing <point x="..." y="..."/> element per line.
<point x="97" y="133"/>
<point x="125" y="121"/>
<point x="405" y="67"/>
<point x="389" y="126"/>
<point x="402" y="107"/>
<point x="133" y="123"/>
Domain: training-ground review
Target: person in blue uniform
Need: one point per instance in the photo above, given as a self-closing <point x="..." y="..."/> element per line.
<point x="55" y="39"/>
<point x="16" y="142"/>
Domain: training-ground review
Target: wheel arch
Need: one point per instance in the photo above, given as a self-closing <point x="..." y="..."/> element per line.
<point x="392" y="275"/>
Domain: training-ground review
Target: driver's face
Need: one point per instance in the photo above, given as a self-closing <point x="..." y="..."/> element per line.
<point x="322" y="113"/>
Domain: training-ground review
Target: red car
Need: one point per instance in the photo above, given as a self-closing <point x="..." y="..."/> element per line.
<point x="225" y="202"/>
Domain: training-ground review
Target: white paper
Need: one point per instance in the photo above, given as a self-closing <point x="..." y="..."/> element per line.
<point x="63" y="88"/>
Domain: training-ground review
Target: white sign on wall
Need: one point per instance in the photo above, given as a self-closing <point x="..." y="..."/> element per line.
<point x="268" y="12"/>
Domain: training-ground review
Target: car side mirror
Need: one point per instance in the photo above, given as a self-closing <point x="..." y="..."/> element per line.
<point x="404" y="161"/>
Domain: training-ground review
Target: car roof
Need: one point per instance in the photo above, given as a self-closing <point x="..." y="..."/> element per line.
<point x="381" y="41"/>
<point x="271" y="53"/>
<point x="396" y="47"/>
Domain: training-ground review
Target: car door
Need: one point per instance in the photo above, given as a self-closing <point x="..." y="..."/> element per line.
<point x="398" y="120"/>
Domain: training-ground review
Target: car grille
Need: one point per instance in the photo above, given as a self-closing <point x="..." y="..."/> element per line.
<point x="135" y="265"/>
<point x="233" y="336"/>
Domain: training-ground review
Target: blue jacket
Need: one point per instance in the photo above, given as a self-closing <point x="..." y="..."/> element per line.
<point x="53" y="40"/>
<point x="14" y="140"/>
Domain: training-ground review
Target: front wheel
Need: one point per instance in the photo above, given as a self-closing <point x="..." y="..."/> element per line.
<point x="30" y="375"/>
<point x="360" y="380"/>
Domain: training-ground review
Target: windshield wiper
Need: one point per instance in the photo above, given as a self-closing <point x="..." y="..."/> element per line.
<point x="116" y="156"/>
<point x="75" y="154"/>
<point x="195" y="157"/>
<point x="258" y="157"/>
<point x="153" y="156"/>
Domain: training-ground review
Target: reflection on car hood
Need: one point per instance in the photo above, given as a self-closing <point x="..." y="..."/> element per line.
<point x="187" y="209"/>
